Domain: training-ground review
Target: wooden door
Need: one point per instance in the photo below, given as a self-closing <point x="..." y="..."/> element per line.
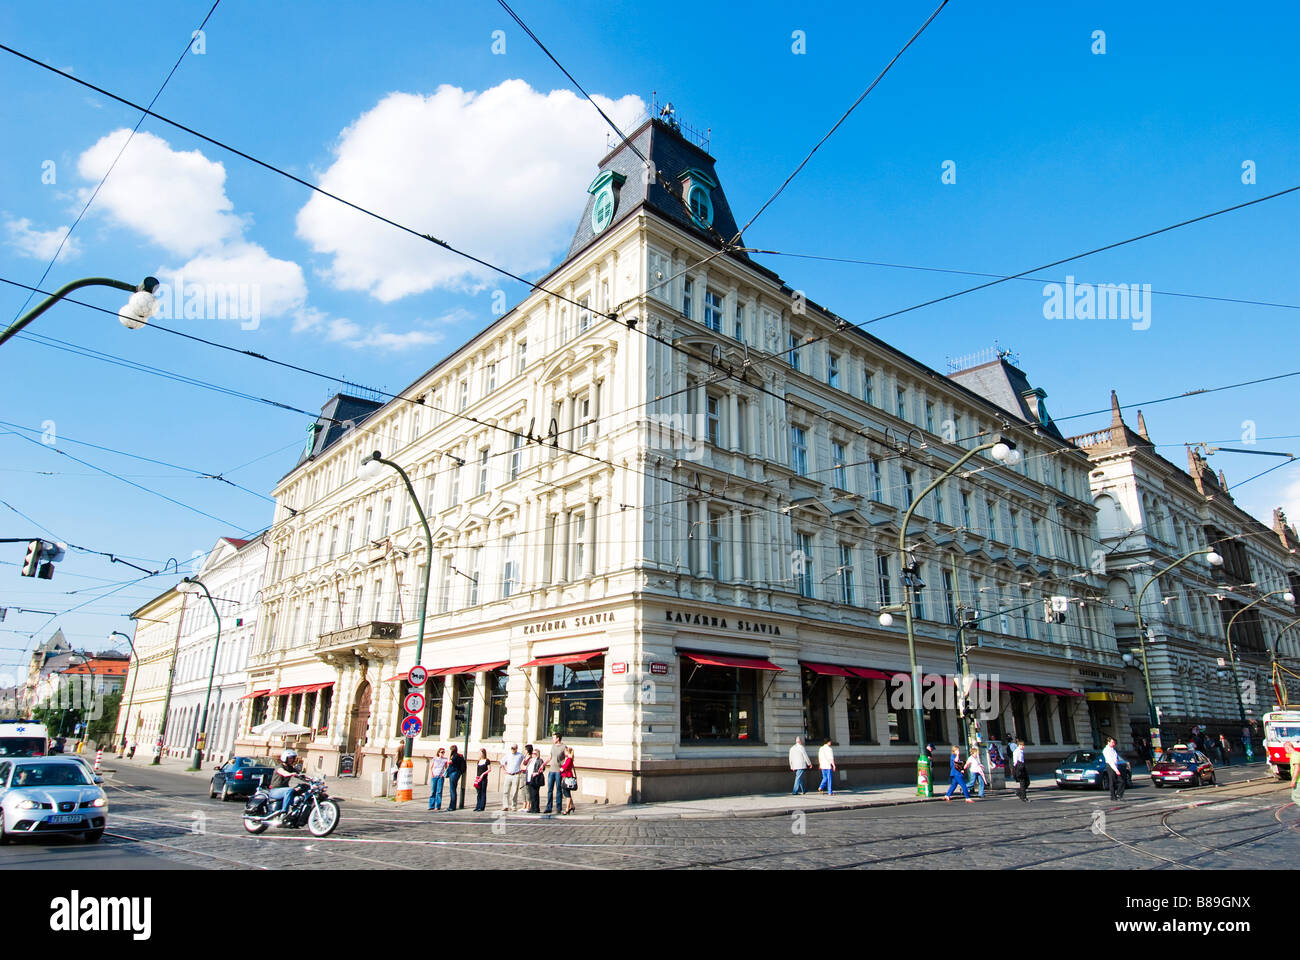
<point x="360" y="718"/>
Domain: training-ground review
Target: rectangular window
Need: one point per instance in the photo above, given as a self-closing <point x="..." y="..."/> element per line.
<point x="444" y="594"/>
<point x="858" y="695"/>
<point x="453" y="484"/>
<point x="585" y="425"/>
<point x="482" y="471"/>
<point x="387" y="517"/>
<point x="868" y="386"/>
<point x="720" y="704"/>
<point x="929" y="416"/>
<point x="840" y="476"/>
<point x="475" y="572"/>
<point x="900" y="723"/>
<point x="564" y="325"/>
<point x="804" y="569"/>
<point x="490" y="378"/>
<point x="816" y="706"/>
<point x="965" y="511"/>
<point x="334" y="541"/>
<point x="509" y="567"/>
<point x="376" y="607"/>
<point x="521" y="356"/>
<point x="1044" y="708"/>
<point x="740" y="321"/>
<point x="907" y="488"/>
<point x="1015" y="529"/>
<point x="877" y="486"/>
<point x="497" y="683"/>
<point x="846" y="574"/>
<point x="938" y="503"/>
<point x="715" y="546"/>
<point x="793" y="355"/>
<point x="918" y="598"/>
<point x="464" y="394"/>
<point x="575" y="699"/>
<point x="516" y="455"/>
<point x="833" y="370"/>
<point x="799" y="451"/>
<point x="713" y="311"/>
<point x="431" y="725"/>
<point x="882" y="579"/>
<point x="1067" y="720"/>
<point x="688" y="294"/>
<point x="358" y="595"/>
<point x="902" y="403"/>
<point x="948" y="598"/>
<point x="713" y="420"/>
<point x="462" y="701"/>
<point x="579" y="545"/>
<point x="584" y="315"/>
<point x="992" y="520"/>
<point x="1033" y="526"/>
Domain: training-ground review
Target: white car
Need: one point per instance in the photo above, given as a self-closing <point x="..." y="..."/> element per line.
<point x="50" y="795"/>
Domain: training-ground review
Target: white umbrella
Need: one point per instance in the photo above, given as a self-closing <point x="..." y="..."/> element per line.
<point x="280" y="728"/>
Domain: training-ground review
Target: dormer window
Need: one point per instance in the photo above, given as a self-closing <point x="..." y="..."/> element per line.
<point x="605" y="189"/>
<point x="697" y="188"/>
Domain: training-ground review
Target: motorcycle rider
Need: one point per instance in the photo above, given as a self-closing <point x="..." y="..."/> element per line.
<point x="282" y="780"/>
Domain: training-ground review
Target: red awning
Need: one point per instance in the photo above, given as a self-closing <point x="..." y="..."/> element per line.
<point x="727" y="660"/>
<point x="255" y="694"/>
<point x="469" y="668"/>
<point x="563" y="658"/>
<point x="1063" y="692"/>
<point x="400" y="676"/>
<point x="828" y="669"/>
<point x="871" y="673"/>
<point x="313" y="687"/>
<point x="1016" y="687"/>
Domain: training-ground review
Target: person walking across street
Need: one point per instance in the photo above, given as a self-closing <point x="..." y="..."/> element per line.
<point x="455" y="776"/>
<point x="956" y="777"/>
<point x="552" y="766"/>
<point x="437" y="777"/>
<point x="1225" y="748"/>
<point x="533" y="778"/>
<point x="826" y="760"/>
<point x="799" y="762"/>
<point x="130" y="751"/>
<point x="511" y="777"/>
<point x="1019" y="770"/>
<point x="481" y="780"/>
<point x="974" y="769"/>
<point x="1113" y="772"/>
<point x="568" y="779"/>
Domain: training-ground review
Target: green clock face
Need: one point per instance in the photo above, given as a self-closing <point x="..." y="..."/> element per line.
<point x="602" y="211"/>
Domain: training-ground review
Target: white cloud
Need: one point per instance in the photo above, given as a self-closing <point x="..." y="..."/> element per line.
<point x="356" y="336"/>
<point x="499" y="174"/>
<point x="278" y="285"/>
<point x="40" y="244"/>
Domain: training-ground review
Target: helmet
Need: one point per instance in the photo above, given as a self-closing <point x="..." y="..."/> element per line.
<point x="289" y="755"/>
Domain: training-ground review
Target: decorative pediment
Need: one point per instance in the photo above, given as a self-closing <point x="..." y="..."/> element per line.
<point x="809" y="506"/>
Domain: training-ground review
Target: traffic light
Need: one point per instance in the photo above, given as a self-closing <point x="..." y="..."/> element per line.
<point x="41" y="558"/>
<point x="35" y="551"/>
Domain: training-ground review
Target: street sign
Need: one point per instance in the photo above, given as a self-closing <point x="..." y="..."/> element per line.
<point x="414" y="702"/>
<point x="411" y="727"/>
<point x="618" y="667"/>
<point x="659" y="668"/>
<point x="417" y="675"/>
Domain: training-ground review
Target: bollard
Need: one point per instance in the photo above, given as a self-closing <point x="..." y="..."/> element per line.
<point x="99" y="755"/>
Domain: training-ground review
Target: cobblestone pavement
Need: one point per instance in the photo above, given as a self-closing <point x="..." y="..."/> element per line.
<point x="165" y="819"/>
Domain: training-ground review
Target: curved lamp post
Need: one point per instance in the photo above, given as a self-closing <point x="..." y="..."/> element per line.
<point x="1214" y="560"/>
<point x="194" y="587"/>
<point x="139" y="308"/>
<point x="1289" y="597"/>
<point x="1005" y="452"/>
<point x="63" y="690"/>
<point x="126" y="723"/>
<point x="372" y="467"/>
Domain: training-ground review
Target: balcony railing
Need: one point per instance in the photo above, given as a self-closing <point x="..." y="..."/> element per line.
<point x="374" y="639"/>
<point x="1094" y="439"/>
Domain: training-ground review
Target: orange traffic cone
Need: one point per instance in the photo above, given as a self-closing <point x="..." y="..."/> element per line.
<point x="405" y="776"/>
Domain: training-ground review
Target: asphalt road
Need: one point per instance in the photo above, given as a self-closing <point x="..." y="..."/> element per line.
<point x="162" y="820"/>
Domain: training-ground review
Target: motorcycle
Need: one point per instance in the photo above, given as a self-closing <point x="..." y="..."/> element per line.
<point x="311" y="806"/>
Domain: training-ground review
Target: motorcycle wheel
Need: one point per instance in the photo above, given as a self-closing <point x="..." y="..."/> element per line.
<point x="323" y="818"/>
<point x="254" y="826"/>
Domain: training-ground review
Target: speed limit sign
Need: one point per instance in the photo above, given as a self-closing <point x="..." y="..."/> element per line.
<point x="417" y="676"/>
<point x="414" y="702"/>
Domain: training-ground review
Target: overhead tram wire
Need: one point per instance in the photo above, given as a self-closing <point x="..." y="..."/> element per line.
<point x="1200" y="391"/>
<point x="104" y="179"/>
<point x="839" y="122"/>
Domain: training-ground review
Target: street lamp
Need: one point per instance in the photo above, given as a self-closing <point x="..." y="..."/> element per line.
<point x="194" y="587"/>
<point x="1289" y="597"/>
<point x="1004" y="451"/>
<point x="372" y="467"/>
<point x="1214" y="560"/>
<point x="139" y="308"/>
<point x="126" y="723"/>
<point x="67" y="697"/>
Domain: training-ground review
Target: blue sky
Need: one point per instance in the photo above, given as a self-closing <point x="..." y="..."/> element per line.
<point x="1056" y="149"/>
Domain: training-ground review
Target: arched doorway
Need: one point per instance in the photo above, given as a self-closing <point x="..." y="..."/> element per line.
<point x="360" y="718"/>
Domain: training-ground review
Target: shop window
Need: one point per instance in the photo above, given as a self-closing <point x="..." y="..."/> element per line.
<point x="1018" y="716"/>
<point x="1067" y="720"/>
<point x="463" y="704"/>
<point x="258" y="715"/>
<point x="816" y="707"/>
<point x="858" y="697"/>
<point x="326" y="702"/>
<point x="309" y="710"/>
<point x="575" y="700"/>
<point x="720" y="704"/>
<point x="497" y="681"/>
<point x="281" y="708"/>
<point x="900" y="727"/>
<point x="1044" y="720"/>
<point x="431" y="722"/>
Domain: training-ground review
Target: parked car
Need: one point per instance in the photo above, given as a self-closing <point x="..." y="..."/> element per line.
<point x="240" y="776"/>
<point x="1181" y="766"/>
<point x="50" y="795"/>
<point x="1087" y="768"/>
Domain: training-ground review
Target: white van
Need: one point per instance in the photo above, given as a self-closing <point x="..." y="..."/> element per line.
<point x="24" y="739"/>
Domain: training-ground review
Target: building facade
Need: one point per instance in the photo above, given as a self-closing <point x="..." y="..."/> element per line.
<point x="148" y="680"/>
<point x="1150" y="513"/>
<point x="668" y="534"/>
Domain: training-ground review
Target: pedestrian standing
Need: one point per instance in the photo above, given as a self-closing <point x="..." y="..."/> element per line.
<point x="130" y="751"/>
<point x="481" y="780"/>
<point x="534" y="779"/>
<point x="511" y="777"/>
<point x="1019" y="770"/>
<point x="1225" y="750"/>
<point x="455" y="776"/>
<point x="568" y="778"/>
<point x="1111" y="756"/>
<point x="437" y="776"/>
<point x="826" y="760"/>
<point x="955" y="777"/>
<point x="974" y="769"/>
<point x="1293" y="758"/>
<point x="799" y="762"/>
<point x="552" y="766"/>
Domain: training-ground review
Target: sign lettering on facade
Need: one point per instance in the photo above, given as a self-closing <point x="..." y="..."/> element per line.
<point x="583" y="620"/>
<point x="708" y="620"/>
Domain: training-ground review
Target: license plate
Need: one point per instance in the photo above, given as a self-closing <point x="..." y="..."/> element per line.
<point x="67" y="818"/>
<point x="1074" y="776"/>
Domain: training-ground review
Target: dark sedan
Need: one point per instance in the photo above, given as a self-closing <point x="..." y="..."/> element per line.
<point x="1182" y="767"/>
<point x="240" y="776"/>
<point x="1087" y="768"/>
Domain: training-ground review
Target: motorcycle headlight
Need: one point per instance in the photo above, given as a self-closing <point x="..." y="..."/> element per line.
<point x="27" y="805"/>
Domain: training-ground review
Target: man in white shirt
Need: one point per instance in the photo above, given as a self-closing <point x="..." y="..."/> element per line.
<point x="512" y="769"/>
<point x="799" y="762"/>
<point x="1111" y="756"/>
<point x="826" y="760"/>
<point x="1019" y="770"/>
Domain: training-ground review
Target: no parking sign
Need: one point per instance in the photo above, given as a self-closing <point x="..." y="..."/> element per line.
<point x="411" y="727"/>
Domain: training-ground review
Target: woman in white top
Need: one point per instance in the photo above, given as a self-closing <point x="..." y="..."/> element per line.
<point x="437" y="773"/>
<point x="975" y="772"/>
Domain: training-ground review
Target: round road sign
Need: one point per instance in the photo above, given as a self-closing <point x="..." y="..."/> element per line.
<point x="414" y="702"/>
<point x="411" y="727"/>
<point x="417" y="675"/>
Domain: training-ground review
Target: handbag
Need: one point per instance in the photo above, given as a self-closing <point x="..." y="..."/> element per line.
<point x="480" y="780"/>
<point x="570" y="783"/>
<point x="537" y="780"/>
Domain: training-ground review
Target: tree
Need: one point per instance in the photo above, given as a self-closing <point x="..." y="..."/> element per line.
<point x="102" y="728"/>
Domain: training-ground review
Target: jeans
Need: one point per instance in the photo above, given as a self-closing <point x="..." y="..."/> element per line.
<point x="480" y="802"/>
<point x="435" y="793"/>
<point x="977" y="780"/>
<point x="956" y="780"/>
<point x="284" y="795"/>
<point x="827" y="776"/>
<point x="553" y="789"/>
<point x="453" y="785"/>
<point x="798" y="781"/>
